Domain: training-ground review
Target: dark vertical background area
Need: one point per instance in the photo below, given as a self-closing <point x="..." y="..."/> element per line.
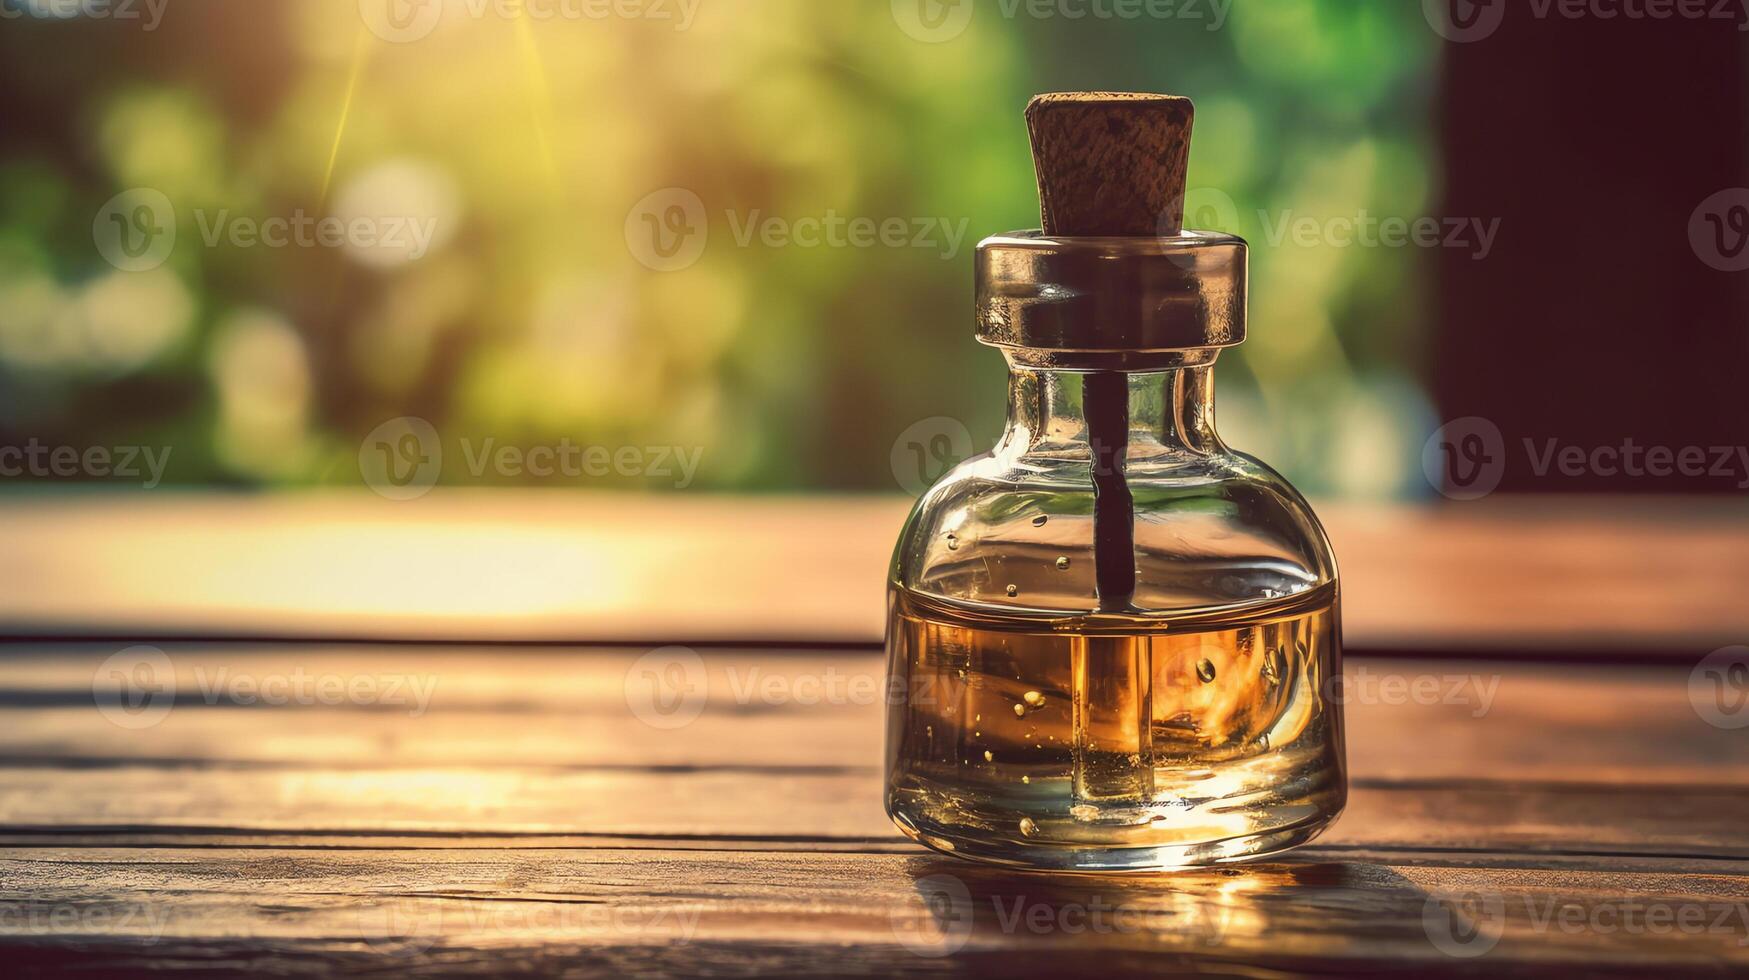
<point x="1594" y="141"/>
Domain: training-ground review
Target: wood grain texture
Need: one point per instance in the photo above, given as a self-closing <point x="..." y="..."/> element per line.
<point x="662" y="912"/>
<point x="567" y="709"/>
<point x="1110" y="163"/>
<point x="523" y="819"/>
<point x="1479" y="816"/>
<point x="1549" y="576"/>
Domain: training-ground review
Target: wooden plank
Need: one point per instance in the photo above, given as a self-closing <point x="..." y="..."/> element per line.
<point x="510" y="911"/>
<point x="1587" y="575"/>
<point x="460" y="565"/>
<point x="1501" y="757"/>
<point x="1496" y="574"/>
<point x="1407" y="719"/>
<point x="1478" y="816"/>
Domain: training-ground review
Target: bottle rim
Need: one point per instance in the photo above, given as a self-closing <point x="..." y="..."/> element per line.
<point x="1100" y="303"/>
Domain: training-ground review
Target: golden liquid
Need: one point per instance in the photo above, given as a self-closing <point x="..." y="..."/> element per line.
<point x="1114" y="741"/>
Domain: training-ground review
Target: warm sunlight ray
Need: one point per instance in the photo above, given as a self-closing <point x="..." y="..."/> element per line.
<point x="360" y="55"/>
<point x="539" y="96"/>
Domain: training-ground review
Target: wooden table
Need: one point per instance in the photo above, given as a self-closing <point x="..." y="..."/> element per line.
<point x="317" y="798"/>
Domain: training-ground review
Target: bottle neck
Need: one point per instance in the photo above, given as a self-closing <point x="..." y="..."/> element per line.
<point x="1171" y="412"/>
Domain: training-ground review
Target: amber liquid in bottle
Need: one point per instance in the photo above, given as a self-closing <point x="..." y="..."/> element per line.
<point x="1111" y="741"/>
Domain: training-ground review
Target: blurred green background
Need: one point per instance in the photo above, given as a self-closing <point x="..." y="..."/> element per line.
<point x="528" y="140"/>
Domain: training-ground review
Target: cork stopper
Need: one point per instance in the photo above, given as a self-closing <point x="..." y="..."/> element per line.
<point x="1110" y="164"/>
<point x="1113" y="282"/>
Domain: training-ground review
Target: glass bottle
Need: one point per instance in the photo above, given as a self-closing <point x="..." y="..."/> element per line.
<point x="1189" y="723"/>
